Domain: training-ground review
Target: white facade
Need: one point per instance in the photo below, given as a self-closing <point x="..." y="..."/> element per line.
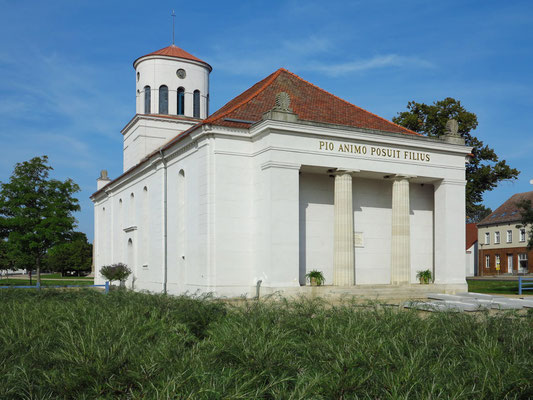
<point x="220" y="209"/>
<point x="471" y="260"/>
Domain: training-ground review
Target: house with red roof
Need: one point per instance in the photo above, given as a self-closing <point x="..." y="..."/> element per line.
<point x="284" y="179"/>
<point x="503" y="240"/>
<point x="471" y="250"/>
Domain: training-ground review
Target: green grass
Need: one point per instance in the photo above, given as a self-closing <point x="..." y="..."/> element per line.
<point x="57" y="275"/>
<point x="495" y="287"/>
<point x="26" y="282"/>
<point x="86" y="345"/>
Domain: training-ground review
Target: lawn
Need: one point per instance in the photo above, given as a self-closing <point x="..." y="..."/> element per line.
<point x="26" y="282"/>
<point x="495" y="287"/>
<point x="57" y="275"/>
<point x="87" y="345"/>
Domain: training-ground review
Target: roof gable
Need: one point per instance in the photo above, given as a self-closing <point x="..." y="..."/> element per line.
<point x="508" y="211"/>
<point x="308" y="101"/>
<point x="471" y="235"/>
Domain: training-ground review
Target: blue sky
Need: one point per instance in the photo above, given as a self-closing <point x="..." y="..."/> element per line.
<point x="67" y="85"/>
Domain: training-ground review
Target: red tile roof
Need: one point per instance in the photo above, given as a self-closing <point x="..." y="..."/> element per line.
<point x="508" y="211"/>
<point x="308" y="101"/>
<point x="471" y="235"/>
<point x="173" y="51"/>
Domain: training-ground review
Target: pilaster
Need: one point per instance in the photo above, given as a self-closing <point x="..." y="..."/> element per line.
<point x="450" y="231"/>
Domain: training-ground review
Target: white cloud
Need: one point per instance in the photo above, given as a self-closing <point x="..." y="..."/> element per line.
<point x="384" y="61"/>
<point x="304" y="54"/>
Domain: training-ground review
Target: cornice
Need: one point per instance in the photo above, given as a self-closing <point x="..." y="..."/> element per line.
<point x="341" y="132"/>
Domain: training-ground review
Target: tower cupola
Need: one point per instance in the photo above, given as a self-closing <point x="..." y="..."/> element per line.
<point x="171" y="81"/>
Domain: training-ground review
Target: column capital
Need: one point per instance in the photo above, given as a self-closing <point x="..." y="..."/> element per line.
<point x="398" y="177"/>
<point x="336" y="171"/>
<point x="458" y="182"/>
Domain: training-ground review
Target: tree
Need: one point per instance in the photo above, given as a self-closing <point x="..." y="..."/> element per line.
<point x="74" y="255"/>
<point x="5" y="261"/>
<point x="36" y="211"/>
<point x="526" y="211"/>
<point x="484" y="171"/>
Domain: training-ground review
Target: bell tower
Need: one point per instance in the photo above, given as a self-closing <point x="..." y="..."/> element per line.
<point x="172" y="95"/>
<point x="171" y="81"/>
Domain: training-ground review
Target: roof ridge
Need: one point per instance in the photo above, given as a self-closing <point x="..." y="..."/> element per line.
<point x="347" y="102"/>
<point x="244" y="101"/>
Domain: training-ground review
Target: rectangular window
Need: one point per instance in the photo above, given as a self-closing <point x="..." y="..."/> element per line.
<point x="487" y="262"/>
<point x="509" y="236"/>
<point x="522" y="262"/>
<point x="522" y="234"/>
<point x="487" y="238"/>
<point x="497" y="237"/>
<point x="497" y="262"/>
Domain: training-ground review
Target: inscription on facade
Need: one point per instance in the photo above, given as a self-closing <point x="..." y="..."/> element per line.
<point x="376" y="151"/>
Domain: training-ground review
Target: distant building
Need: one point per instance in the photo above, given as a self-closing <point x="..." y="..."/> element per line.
<point x="503" y="240"/>
<point x="471" y="250"/>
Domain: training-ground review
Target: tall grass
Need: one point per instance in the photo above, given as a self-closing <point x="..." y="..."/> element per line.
<point x="84" y="345"/>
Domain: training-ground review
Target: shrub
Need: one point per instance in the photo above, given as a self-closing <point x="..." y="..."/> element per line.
<point x="115" y="272"/>
<point x="179" y="347"/>
<point x="316" y="276"/>
<point x="424" y="276"/>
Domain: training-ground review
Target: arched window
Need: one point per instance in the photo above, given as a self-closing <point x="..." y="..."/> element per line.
<point x="163" y="99"/>
<point x="131" y="261"/>
<point x="181" y="101"/>
<point x="145" y="227"/>
<point x="207" y="106"/>
<point x="182" y="228"/>
<point x="131" y="210"/>
<point x="196" y="104"/>
<point x="147" y="98"/>
<point x="121" y="214"/>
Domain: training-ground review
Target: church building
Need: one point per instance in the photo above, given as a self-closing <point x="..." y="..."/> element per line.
<point x="284" y="179"/>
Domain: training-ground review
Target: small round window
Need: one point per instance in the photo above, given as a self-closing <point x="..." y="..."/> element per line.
<point x="138" y="76"/>
<point x="181" y="73"/>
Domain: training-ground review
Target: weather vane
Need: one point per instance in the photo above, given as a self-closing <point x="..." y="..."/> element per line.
<point x="173" y="22"/>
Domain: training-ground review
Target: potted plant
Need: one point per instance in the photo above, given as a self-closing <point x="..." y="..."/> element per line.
<point x="116" y="272"/>
<point x="316" y="278"/>
<point x="424" y="276"/>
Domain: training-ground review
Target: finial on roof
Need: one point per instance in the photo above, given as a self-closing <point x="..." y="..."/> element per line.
<point x="103" y="175"/>
<point x="102" y="180"/>
<point x="283" y="101"/>
<point x="451" y="133"/>
<point x="452" y="127"/>
<point x="173" y="24"/>
<point x="282" y="109"/>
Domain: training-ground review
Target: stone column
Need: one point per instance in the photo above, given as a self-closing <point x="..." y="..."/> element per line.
<point x="401" y="237"/>
<point x="343" y="246"/>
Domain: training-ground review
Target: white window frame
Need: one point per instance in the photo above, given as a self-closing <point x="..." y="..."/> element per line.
<point x="497" y="262"/>
<point x="497" y="237"/>
<point x="522" y="257"/>
<point x="522" y="234"/>
<point x="509" y="236"/>
<point x="487" y="238"/>
<point x="487" y="262"/>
